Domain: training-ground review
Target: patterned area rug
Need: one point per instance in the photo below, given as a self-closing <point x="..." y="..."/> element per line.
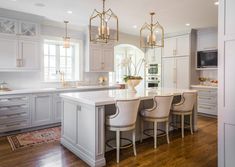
<point x="34" y="138"/>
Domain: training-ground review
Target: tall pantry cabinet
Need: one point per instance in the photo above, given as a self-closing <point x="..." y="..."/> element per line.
<point x="178" y="61"/>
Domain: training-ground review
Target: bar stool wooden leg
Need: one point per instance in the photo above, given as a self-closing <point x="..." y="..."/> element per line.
<point x="182" y="125"/>
<point x="191" y="124"/>
<point x="141" y="129"/>
<point x="118" y="144"/>
<point x="167" y="132"/>
<point x="133" y="141"/>
<point x="155" y="134"/>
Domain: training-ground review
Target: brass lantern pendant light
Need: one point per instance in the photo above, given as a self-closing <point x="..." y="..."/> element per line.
<point x="99" y="26"/>
<point x="66" y="38"/>
<point x="152" y="35"/>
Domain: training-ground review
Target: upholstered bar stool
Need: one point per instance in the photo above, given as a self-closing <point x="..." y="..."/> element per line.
<point x="185" y="107"/>
<point x="158" y="114"/>
<point x="123" y="120"/>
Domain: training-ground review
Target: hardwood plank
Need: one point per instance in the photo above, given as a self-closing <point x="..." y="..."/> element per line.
<point x="197" y="150"/>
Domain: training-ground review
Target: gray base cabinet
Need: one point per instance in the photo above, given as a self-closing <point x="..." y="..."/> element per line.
<point x="14" y="113"/>
<point x="42" y="109"/>
<point x="19" y="112"/>
<point x="207" y="101"/>
<point x="35" y="110"/>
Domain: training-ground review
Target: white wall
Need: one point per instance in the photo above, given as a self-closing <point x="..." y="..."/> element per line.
<point x="129" y="39"/>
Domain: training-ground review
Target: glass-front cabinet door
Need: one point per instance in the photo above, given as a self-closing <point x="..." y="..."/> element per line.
<point x="28" y="29"/>
<point x="8" y="26"/>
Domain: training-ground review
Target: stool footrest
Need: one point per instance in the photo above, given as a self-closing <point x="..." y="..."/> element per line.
<point x="121" y="147"/>
<point x="178" y="125"/>
<point x="163" y="133"/>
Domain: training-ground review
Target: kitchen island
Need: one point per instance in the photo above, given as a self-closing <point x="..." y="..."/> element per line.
<point x="83" y="119"/>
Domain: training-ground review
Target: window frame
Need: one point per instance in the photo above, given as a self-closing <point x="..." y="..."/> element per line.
<point x="78" y="72"/>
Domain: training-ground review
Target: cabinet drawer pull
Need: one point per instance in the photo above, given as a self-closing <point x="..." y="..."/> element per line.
<point x="212" y="47"/>
<point x="41" y="96"/>
<point x="13" y="115"/>
<point x="13" y="107"/>
<point x="15" y="124"/>
<point x="207" y="108"/>
<point x="205" y="98"/>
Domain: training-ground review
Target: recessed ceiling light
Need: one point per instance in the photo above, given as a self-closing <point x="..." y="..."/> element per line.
<point x="13" y="0"/>
<point x="39" y="4"/>
<point x="69" y="12"/>
<point x="134" y="26"/>
<point x="216" y="3"/>
<point x="187" y="24"/>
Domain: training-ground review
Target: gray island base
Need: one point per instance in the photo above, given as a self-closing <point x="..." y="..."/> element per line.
<point x="83" y="119"/>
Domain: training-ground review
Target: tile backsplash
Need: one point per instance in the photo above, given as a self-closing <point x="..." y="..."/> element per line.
<point x="211" y="74"/>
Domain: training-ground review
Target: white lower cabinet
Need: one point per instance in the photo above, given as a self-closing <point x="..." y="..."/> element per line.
<point x="42" y="109"/>
<point x="70" y="122"/>
<point x="75" y="123"/>
<point x="182" y="73"/>
<point x="176" y="72"/>
<point x="169" y="73"/>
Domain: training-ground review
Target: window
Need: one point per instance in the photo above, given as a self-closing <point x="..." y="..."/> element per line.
<point x="61" y="60"/>
<point x="122" y="52"/>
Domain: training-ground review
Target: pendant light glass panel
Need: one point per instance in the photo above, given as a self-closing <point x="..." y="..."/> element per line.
<point x="66" y="39"/>
<point x="151" y="35"/>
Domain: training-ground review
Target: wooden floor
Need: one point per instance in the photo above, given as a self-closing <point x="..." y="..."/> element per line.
<point x="197" y="150"/>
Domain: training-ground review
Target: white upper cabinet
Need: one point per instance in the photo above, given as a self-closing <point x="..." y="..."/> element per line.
<point x="19" y="28"/>
<point x="29" y="54"/>
<point x="100" y="58"/>
<point x="177" y="71"/>
<point x="8" y="53"/>
<point x="183" y="45"/>
<point x="207" y="39"/>
<point x="8" y="26"/>
<point x="169" y="47"/>
<point x="154" y="56"/>
<point x="177" y="46"/>
<point x="95" y="58"/>
<point x="28" y="29"/>
<point x="108" y="57"/>
<point x="19" y="45"/>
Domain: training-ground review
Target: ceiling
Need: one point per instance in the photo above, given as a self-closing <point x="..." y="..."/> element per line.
<point x="172" y="14"/>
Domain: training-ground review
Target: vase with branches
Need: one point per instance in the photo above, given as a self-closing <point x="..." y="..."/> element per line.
<point x="132" y="78"/>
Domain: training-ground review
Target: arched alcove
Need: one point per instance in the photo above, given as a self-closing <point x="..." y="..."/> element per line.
<point x="125" y="51"/>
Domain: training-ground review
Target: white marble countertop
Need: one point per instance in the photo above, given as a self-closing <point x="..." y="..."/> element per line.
<point x="105" y="97"/>
<point x="54" y="90"/>
<point x="204" y="86"/>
